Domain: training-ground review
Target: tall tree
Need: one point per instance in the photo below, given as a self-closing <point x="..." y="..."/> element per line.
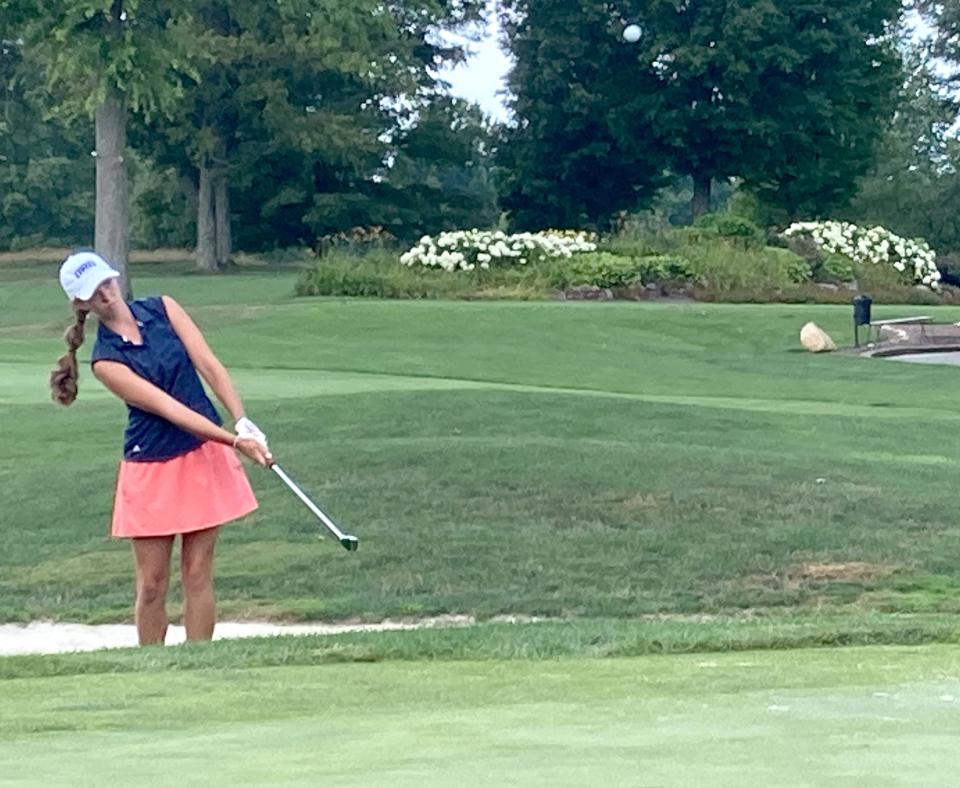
<point x="913" y="188"/>
<point x="564" y="163"/>
<point x="291" y="104"/>
<point x="46" y="172"/>
<point x="440" y="174"/>
<point x="784" y="94"/>
<point x="105" y="58"/>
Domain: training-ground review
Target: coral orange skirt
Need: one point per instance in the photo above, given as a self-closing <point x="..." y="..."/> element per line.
<point x="201" y="489"/>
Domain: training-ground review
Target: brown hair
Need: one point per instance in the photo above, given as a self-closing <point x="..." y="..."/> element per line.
<point x="63" y="380"/>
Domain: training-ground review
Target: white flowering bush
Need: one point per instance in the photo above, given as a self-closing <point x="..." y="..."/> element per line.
<point x="875" y="245"/>
<point x="469" y="250"/>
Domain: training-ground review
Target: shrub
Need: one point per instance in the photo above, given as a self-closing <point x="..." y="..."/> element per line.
<point x="728" y="225"/>
<point x="721" y="268"/>
<point x="875" y="246"/>
<point x="665" y="268"/>
<point x="796" y="268"/>
<point x="374" y="275"/>
<point x="468" y="250"/>
<point x="837" y="268"/>
<point x="379" y="275"/>
<point x="600" y="269"/>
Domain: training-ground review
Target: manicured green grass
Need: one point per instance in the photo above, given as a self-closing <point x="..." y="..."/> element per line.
<point x="858" y="716"/>
<point x="648" y="473"/>
<point x="543" y="640"/>
<point x="547" y="459"/>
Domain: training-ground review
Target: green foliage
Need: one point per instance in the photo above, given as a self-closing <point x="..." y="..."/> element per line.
<point x="713" y="90"/>
<point x="733" y="227"/>
<point x="46" y="171"/>
<point x="913" y="187"/>
<point x="873" y="277"/>
<point x="441" y="175"/>
<point x="89" y="49"/>
<point x="615" y="271"/>
<point x="714" y="268"/>
<point x="641" y="235"/>
<point x="665" y="268"/>
<point x="600" y="269"/>
<point x="795" y="266"/>
<point x="836" y="268"/>
<point x="301" y="104"/>
<point x="161" y="211"/>
<point x="562" y="164"/>
<point x="380" y="275"/>
<point x="720" y="267"/>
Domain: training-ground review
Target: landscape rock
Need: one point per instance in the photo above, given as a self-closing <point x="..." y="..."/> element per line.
<point x="815" y="339"/>
<point x="589" y="293"/>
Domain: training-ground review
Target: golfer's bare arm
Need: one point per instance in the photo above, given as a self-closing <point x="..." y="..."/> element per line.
<point x="141" y="393"/>
<point x="203" y="358"/>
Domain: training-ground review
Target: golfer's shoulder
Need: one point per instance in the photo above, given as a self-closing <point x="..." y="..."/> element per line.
<point x="170" y="306"/>
<point x="151" y="306"/>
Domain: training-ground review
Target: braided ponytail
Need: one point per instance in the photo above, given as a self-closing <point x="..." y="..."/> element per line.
<point x="63" y="380"/>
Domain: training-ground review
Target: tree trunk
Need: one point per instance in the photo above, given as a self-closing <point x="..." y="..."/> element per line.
<point x="111" y="226"/>
<point x="206" y="226"/>
<point x="702" y="188"/>
<point x="222" y="212"/>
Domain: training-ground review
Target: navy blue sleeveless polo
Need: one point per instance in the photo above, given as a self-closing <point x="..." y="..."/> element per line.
<point x="162" y="359"/>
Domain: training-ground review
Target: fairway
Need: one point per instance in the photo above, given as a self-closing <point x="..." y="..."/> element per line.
<point x="871" y="716"/>
<point x="539" y="459"/>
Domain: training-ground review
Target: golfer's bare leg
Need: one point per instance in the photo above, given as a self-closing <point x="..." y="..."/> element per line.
<point x="196" y="573"/>
<point x="152" y="558"/>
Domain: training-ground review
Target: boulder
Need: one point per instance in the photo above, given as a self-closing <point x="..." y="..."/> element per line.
<point x="815" y="339"/>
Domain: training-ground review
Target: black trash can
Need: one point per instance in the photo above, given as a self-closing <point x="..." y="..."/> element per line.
<point x="861" y="317"/>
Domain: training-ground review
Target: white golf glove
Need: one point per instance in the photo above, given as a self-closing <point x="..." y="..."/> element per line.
<point x="247" y="429"/>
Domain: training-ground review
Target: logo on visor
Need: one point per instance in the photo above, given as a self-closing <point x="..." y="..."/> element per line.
<point x="85" y="267"/>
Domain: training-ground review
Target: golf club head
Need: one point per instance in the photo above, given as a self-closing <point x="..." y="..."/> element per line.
<point x="350" y="542"/>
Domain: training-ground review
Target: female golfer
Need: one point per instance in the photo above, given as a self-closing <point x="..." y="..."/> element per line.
<point x="179" y="474"/>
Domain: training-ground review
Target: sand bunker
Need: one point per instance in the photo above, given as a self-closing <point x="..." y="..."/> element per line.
<point x="49" y="637"/>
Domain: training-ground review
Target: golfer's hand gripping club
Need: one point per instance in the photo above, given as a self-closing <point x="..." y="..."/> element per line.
<point x="247" y="429"/>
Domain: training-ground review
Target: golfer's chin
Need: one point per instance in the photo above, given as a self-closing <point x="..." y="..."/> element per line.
<point x="100" y="304"/>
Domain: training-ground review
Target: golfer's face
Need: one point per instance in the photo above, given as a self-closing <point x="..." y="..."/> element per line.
<point x="103" y="297"/>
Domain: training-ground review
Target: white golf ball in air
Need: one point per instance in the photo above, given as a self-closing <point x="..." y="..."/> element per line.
<point x="631" y="33"/>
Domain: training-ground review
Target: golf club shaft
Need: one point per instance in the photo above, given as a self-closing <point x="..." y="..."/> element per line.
<point x="330" y="524"/>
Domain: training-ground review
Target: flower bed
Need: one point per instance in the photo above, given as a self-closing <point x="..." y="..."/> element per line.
<point x="468" y="250"/>
<point x="876" y="246"/>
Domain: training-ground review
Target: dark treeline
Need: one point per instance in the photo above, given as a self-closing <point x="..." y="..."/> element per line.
<point x="260" y="126"/>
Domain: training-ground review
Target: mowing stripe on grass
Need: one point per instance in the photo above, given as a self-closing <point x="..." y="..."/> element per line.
<point x="22" y="384"/>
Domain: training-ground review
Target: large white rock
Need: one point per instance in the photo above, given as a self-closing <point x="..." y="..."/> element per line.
<point x="815" y="339"/>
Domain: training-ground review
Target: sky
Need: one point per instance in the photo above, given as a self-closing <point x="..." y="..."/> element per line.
<point x="482" y="77"/>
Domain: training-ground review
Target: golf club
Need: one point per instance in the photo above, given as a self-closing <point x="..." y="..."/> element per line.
<point x="349" y="542"/>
